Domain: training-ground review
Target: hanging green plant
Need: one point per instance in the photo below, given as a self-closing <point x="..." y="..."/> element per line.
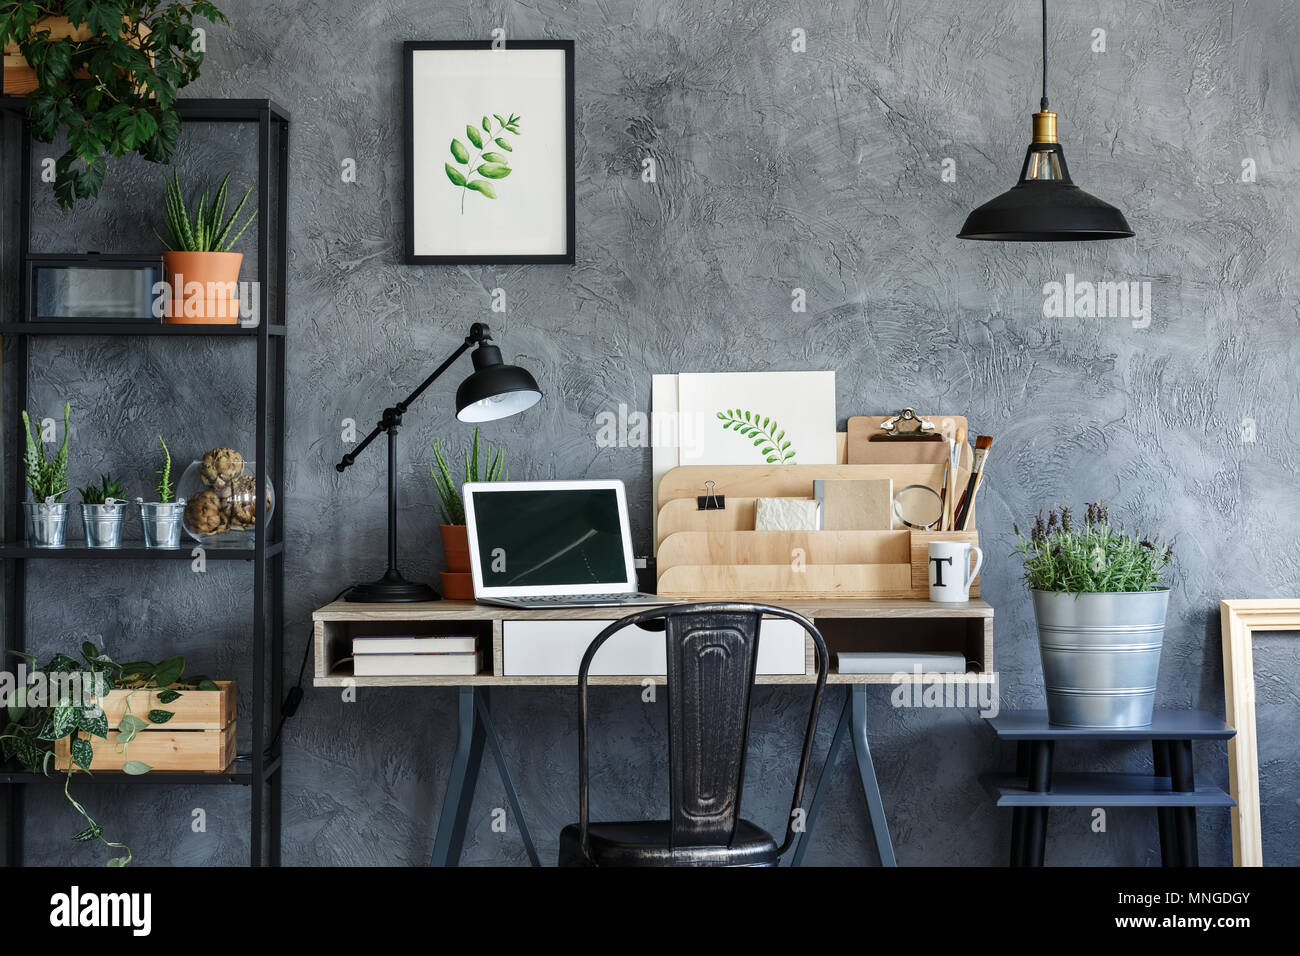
<point x="107" y="73"/>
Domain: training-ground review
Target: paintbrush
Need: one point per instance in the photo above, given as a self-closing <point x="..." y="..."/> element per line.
<point x="982" y="445"/>
<point x="949" y="495"/>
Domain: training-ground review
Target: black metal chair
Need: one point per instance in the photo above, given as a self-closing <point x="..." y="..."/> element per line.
<point x="712" y="660"/>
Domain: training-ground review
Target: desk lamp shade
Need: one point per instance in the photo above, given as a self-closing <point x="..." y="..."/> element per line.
<point x="494" y="389"/>
<point x="1045" y="205"/>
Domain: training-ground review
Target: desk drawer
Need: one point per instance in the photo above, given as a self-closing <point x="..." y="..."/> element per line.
<point x="555" y="649"/>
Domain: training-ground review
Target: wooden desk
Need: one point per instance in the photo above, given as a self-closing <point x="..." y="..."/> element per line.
<point x="846" y="625"/>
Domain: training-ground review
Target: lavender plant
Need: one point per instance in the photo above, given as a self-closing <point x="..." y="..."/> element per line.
<point x="1095" y="557"/>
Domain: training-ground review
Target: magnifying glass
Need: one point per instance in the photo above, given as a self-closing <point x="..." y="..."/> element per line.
<point x="918" y="506"/>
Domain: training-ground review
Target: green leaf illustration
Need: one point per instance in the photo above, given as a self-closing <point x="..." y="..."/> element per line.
<point x="504" y="145"/>
<point x="474" y="137"/>
<point x="499" y="119"/>
<point x="494" y="170"/>
<point x="764" y="433"/>
<point x="486" y="125"/>
<point x="482" y="186"/>
<point x="454" y="174"/>
<point x="459" y="151"/>
<point x="496" y="158"/>
<point x="488" y="163"/>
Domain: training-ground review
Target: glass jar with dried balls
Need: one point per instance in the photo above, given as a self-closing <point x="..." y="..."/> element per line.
<point x="45" y="516"/>
<point x="162" y="518"/>
<point x="220" y="493"/>
<point x="1100" y="600"/>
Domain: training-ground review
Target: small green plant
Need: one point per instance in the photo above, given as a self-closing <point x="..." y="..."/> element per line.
<point x="108" y="487"/>
<point x="488" y="163"/>
<point x="1061" y="556"/>
<point x="165" y="475"/>
<point x="768" y="437"/>
<point x="450" y="501"/>
<point x="207" y="229"/>
<point x="47" y="479"/>
<point x="63" y="701"/>
<point x="111" y="86"/>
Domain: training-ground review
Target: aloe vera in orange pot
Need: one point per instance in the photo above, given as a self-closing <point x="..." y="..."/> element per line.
<point x="457" y="581"/>
<point x="202" y="272"/>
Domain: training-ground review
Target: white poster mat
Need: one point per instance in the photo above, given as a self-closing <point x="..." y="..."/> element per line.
<point x="786" y="416"/>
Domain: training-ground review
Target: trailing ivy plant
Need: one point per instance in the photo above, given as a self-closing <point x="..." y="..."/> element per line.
<point x="1060" y="555"/>
<point x="112" y="85"/>
<point x="47" y="479"/>
<point x="449" y="499"/>
<point x="768" y="437"/>
<point x="61" y="701"/>
<point x="488" y="162"/>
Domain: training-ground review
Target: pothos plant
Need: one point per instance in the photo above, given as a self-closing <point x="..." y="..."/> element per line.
<point x="486" y="139"/>
<point x="110" y="83"/>
<point x="63" y="701"/>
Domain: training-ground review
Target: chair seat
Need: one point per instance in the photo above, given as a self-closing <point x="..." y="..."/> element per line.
<point x="645" y="843"/>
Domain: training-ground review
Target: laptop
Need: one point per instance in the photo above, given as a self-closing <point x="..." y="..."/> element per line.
<point x="538" y="544"/>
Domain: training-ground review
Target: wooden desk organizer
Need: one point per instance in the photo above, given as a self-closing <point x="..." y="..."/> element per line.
<point x="705" y="554"/>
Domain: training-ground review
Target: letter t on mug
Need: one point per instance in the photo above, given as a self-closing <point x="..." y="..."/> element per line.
<point x="950" y="571"/>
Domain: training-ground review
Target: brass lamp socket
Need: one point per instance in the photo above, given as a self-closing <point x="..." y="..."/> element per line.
<point x="1044" y="127"/>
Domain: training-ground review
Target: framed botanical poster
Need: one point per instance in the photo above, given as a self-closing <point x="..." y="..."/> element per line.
<point x="489" y="152"/>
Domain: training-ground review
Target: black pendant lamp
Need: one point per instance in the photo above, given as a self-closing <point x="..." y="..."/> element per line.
<point x="1045" y="205"/>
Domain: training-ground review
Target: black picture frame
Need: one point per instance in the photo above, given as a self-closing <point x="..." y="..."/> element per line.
<point x="409" y="49"/>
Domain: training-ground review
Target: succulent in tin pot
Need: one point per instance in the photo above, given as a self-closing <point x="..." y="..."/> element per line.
<point x="45" y="515"/>
<point x="161" y="519"/>
<point x="102" y="509"/>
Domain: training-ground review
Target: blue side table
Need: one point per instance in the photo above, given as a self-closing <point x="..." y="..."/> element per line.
<point x="1174" y="789"/>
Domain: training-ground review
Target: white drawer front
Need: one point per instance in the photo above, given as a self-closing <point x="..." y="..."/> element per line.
<point x="555" y="649"/>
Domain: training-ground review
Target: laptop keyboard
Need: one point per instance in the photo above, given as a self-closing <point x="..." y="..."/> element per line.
<point x="568" y="600"/>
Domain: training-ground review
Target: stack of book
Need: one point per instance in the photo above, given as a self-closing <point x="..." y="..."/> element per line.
<point x="418" y="655"/>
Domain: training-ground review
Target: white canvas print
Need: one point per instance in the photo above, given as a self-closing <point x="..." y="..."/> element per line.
<point x="756" y="418"/>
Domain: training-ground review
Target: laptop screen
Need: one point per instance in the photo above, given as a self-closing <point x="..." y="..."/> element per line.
<point x="551" y="538"/>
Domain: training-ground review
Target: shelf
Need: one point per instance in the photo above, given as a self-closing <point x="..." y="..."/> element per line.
<point x="164" y="777"/>
<point x="134" y="551"/>
<point x="1102" y="790"/>
<point x="1165" y="725"/>
<point x="202" y="110"/>
<point x="100" y="327"/>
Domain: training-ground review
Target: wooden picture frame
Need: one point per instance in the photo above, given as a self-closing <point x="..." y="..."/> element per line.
<point x="1240" y="619"/>
<point x="516" y="218"/>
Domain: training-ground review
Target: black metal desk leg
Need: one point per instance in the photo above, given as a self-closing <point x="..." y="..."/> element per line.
<point x="512" y="795"/>
<point x="1019" y="815"/>
<point x="837" y="741"/>
<point x="1040" y="781"/>
<point x="1169" y="854"/>
<point x="867" y="771"/>
<point x="1183" y="780"/>
<point x="460" y="786"/>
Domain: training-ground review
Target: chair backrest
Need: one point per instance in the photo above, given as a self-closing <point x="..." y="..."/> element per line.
<point x="712" y="657"/>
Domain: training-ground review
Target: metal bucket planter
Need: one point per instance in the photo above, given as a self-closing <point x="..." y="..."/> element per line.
<point x="1100" y="653"/>
<point x="46" y="525"/>
<point x="162" y="523"/>
<point x="103" y="524"/>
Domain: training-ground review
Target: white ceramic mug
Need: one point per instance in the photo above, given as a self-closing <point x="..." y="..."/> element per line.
<point x="950" y="571"/>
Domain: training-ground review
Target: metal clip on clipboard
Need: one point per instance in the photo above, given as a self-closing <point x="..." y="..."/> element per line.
<point x="907" y="426"/>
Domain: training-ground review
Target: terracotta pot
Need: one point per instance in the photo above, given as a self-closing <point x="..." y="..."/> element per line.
<point x="205" y="287"/>
<point x="455" y="546"/>
<point x="457" y="585"/>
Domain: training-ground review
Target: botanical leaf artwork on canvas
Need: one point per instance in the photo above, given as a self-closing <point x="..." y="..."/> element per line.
<point x="768" y="437"/>
<point x="487" y="155"/>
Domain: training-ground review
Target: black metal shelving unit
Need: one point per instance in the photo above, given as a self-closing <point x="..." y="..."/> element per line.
<point x="261" y="769"/>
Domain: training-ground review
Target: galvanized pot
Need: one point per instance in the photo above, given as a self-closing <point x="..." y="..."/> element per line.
<point x="162" y="523"/>
<point x="46" y="525"/>
<point x="103" y="524"/>
<point x="1100" y="653"/>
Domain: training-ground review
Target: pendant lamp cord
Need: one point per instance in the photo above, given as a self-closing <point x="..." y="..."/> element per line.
<point x="1044" y="106"/>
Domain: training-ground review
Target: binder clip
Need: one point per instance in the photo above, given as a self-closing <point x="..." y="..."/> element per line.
<point x="710" y="501"/>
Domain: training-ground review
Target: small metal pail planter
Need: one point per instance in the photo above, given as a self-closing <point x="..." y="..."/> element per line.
<point x="1101" y="654"/>
<point x="45" y="525"/>
<point x="103" y="524"/>
<point x="162" y="523"/>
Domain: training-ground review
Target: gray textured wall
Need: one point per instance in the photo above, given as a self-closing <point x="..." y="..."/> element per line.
<point x="775" y="170"/>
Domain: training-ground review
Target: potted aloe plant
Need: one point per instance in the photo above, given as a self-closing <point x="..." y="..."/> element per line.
<point x="162" y="518"/>
<point x="46" y="517"/>
<point x="102" y="509"/>
<point x="457" y="581"/>
<point x="202" y="272"/>
<point x="1100" y="600"/>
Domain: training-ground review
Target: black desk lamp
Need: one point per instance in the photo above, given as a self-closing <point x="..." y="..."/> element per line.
<point x="493" y="390"/>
